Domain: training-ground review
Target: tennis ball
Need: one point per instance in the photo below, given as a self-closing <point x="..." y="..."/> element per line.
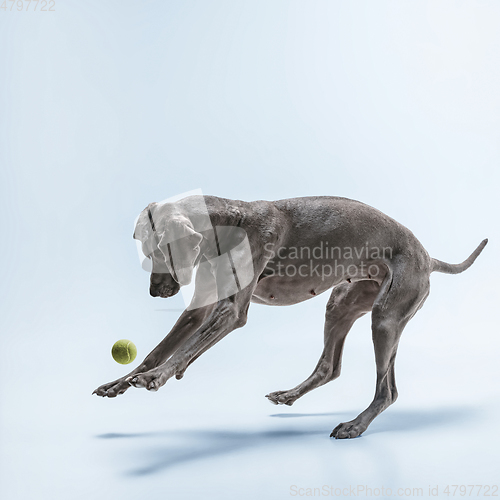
<point x="124" y="351"/>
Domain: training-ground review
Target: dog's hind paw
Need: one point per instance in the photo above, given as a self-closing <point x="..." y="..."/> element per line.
<point x="348" y="430"/>
<point x="282" y="397"/>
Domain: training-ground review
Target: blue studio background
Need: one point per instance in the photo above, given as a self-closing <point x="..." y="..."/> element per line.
<point x="107" y="106"/>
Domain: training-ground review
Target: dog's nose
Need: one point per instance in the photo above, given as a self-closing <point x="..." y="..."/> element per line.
<point x="154" y="292"/>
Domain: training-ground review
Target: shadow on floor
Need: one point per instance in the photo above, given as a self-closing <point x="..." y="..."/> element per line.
<point x="393" y="420"/>
<point x="298" y="415"/>
<point x="416" y="420"/>
<point x="201" y="445"/>
<point x="173" y="448"/>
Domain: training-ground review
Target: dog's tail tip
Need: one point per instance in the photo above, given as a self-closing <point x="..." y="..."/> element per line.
<point x="444" y="267"/>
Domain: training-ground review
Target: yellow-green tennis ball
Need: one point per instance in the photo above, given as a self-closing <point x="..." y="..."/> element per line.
<point x="124" y="351"/>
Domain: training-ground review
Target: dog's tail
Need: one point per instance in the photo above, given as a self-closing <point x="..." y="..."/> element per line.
<point x="444" y="267"/>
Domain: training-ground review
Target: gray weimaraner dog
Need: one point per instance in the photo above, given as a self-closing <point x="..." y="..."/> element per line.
<point x="282" y="253"/>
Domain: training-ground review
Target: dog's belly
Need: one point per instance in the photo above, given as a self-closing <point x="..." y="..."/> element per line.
<point x="286" y="291"/>
<point x="282" y="290"/>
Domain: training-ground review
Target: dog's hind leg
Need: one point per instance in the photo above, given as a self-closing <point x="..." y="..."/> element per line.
<point x="347" y="303"/>
<point x="401" y="296"/>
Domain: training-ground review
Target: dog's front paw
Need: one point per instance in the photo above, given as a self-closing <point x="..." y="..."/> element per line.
<point x="112" y="389"/>
<point x="282" y="397"/>
<point x="151" y="380"/>
<point x="348" y="430"/>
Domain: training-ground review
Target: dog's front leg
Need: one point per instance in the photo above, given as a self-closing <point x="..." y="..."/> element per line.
<point x="226" y="316"/>
<point x="186" y="325"/>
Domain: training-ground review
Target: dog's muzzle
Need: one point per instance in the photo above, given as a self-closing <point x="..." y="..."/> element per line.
<point x="162" y="292"/>
<point x="163" y="285"/>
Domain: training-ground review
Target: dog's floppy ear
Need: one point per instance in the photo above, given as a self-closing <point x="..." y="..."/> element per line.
<point x="144" y="232"/>
<point x="180" y="245"/>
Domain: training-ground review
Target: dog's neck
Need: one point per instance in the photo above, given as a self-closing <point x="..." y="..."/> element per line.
<point x="221" y="212"/>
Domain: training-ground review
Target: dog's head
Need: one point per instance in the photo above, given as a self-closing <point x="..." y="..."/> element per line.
<point x="169" y="240"/>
